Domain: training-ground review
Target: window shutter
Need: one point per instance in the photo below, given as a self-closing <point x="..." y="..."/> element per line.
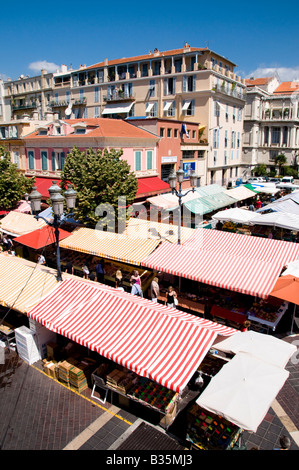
<point x="138" y="161"/>
<point x="149" y="162"/>
<point x="44" y="160"/>
<point x="31" y="160"/>
<point x="173" y="85"/>
<point x="62" y="159"/>
<point x="53" y="161"/>
<point x="194" y="83"/>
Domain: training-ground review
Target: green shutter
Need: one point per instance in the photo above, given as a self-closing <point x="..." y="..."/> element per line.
<point x="31" y="159"/>
<point x="53" y="162"/>
<point x="149" y="159"/>
<point x="137" y="161"/>
<point x="62" y="158"/>
<point x="44" y="156"/>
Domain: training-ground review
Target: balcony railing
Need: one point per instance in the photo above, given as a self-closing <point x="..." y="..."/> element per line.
<point x="29" y="105"/>
<point x="230" y="92"/>
<point x="119" y="96"/>
<point x="57" y="104"/>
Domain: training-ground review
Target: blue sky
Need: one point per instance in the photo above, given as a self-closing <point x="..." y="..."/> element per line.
<point x="259" y="37"/>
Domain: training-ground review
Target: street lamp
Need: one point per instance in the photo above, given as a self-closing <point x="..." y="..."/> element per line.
<point x="57" y="202"/>
<point x="179" y="177"/>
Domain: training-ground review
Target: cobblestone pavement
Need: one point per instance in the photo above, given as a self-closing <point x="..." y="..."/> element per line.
<point x="40" y="413"/>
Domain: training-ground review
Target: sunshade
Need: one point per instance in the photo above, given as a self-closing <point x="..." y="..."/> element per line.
<point x="249" y="186"/>
<point x="170" y="201"/>
<point x="265" y="347"/>
<point x="205" y="204"/>
<point x="234" y="214"/>
<point x="210" y="189"/>
<point x="150" y="339"/>
<point x="109" y="245"/>
<point x="240" y="193"/>
<point x="241" y="263"/>
<point x="23" y="284"/>
<point x="18" y="223"/>
<point x="266" y="188"/>
<point x="42" y="237"/>
<point x="277" y="219"/>
<point x="151" y="185"/>
<point x="139" y="228"/>
<point x="243" y="390"/>
<point x="287" y="288"/>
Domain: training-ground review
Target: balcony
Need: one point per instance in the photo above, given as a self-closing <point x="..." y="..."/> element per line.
<point x="80" y="101"/>
<point x="230" y="92"/>
<point x="59" y="104"/>
<point x="22" y="106"/>
<point x="119" y="96"/>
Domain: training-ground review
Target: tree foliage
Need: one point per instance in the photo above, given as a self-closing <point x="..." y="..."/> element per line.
<point x="13" y="184"/>
<point x="99" y="178"/>
<point x="280" y="160"/>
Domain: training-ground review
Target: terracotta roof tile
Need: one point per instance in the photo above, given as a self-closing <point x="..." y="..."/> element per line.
<point x="257" y="81"/>
<point x="287" y="88"/>
<point x="103" y="127"/>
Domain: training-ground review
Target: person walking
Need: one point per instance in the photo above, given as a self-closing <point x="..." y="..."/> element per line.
<point x="155" y="290"/>
<point x="41" y="259"/>
<point x="171" y="298"/>
<point x="85" y="270"/>
<point x="135" y="276"/>
<point x="69" y="268"/>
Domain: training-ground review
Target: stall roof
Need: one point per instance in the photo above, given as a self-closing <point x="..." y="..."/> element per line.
<point x="151" y="186"/>
<point x="17" y="223"/>
<point x="109" y="245"/>
<point x="277" y="219"/>
<point x="210" y="189"/>
<point x="240" y="193"/>
<point x="23" y="284"/>
<point x="150" y="339"/>
<point x="139" y="228"/>
<point x="266" y="188"/>
<point x="241" y="263"/>
<point x="287" y="205"/>
<point x="24" y="207"/>
<point x="42" y="237"/>
<point x="243" y="390"/>
<point x="170" y="201"/>
<point x="205" y="204"/>
<point x="236" y="215"/>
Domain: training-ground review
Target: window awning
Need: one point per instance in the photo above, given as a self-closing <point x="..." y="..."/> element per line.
<point x="186" y="105"/>
<point x="115" y="108"/>
<point x="241" y="263"/>
<point x="167" y="105"/>
<point x="18" y="223"/>
<point x="42" y="237"/>
<point x="109" y="245"/>
<point x="149" y="107"/>
<point x="150" y="186"/>
<point x="43" y="185"/>
<point x="150" y="339"/>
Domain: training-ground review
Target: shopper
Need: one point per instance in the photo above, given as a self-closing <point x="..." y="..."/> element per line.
<point x="118" y="285"/>
<point x="155" y="290"/>
<point x="135" y="276"/>
<point x="41" y="259"/>
<point x="100" y="271"/>
<point x="69" y="268"/>
<point x="85" y="270"/>
<point x="118" y="278"/>
<point x="171" y="298"/>
<point x="92" y="277"/>
<point x="246" y="326"/>
<point x="285" y="443"/>
<point x="136" y="289"/>
<point x="258" y="203"/>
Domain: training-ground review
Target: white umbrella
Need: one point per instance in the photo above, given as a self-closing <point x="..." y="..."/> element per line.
<point x="266" y="347"/>
<point x="236" y="215"/>
<point x="243" y="390"/>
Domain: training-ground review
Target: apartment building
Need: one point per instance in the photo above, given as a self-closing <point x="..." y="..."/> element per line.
<point x="271" y="122"/>
<point x="47" y="147"/>
<point x="190" y="84"/>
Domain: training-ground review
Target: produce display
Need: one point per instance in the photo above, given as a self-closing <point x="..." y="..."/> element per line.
<point x="208" y="431"/>
<point x="266" y="311"/>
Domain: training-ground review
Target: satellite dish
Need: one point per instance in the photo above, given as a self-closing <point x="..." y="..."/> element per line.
<point x="68" y="111"/>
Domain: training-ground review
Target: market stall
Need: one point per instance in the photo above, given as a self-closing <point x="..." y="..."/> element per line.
<point x="130" y="331"/>
<point x="267" y="313"/>
<point x="19" y="223"/>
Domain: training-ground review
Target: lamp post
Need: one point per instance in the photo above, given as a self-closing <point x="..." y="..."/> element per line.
<point x="179" y="177"/>
<point x="57" y="201"/>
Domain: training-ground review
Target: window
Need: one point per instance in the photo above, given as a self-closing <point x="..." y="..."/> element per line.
<point x="178" y="65"/>
<point x="152" y="88"/>
<point x="169" y="86"/>
<point x="138" y="160"/>
<point x="176" y="133"/>
<point x="216" y="138"/>
<point x="216" y="108"/>
<point x="226" y="113"/>
<point x="238" y="140"/>
<point x="275" y="135"/>
<point x="44" y="158"/>
<point x="144" y="72"/>
<point x="285" y="136"/>
<point x="189" y="83"/>
<point x="225" y="157"/>
<point x="233" y="141"/>
<point x="81" y="94"/>
<point x="85" y="113"/>
<point x="188" y="108"/>
<point x="232" y="155"/>
<point x="169" y="108"/>
<point x="56" y="98"/>
<point x="96" y="94"/>
<point x="68" y="97"/>
<point x="96" y="112"/>
<point x="168" y="132"/>
<point x="58" y="160"/>
<point x="149" y="160"/>
<point x="31" y="159"/>
<point x="266" y="135"/>
<point x="234" y="114"/>
<point x="193" y="134"/>
<point x="151" y="109"/>
<point x="16" y="159"/>
<point x="225" y="139"/>
<point x="240" y="114"/>
<point x="188" y="154"/>
<point x="162" y="132"/>
<point x="215" y="158"/>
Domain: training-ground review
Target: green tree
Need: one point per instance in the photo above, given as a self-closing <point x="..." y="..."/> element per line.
<point x="260" y="170"/>
<point x="13" y="184"/>
<point x="99" y="178"/>
<point x="280" y="160"/>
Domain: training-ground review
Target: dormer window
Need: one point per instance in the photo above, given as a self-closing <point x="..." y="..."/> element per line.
<point x="80" y="131"/>
<point x="42" y="131"/>
<point x="80" y="128"/>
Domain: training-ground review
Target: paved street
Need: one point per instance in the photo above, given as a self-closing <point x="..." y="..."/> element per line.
<point x="40" y="413"/>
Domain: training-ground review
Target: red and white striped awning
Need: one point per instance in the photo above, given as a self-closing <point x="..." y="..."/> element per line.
<point x="245" y="264"/>
<point x="150" y="339"/>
